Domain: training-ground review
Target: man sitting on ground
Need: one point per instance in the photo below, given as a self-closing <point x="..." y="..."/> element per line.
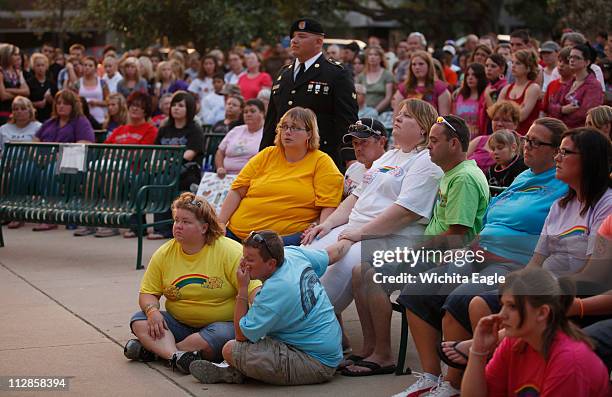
<point x="290" y="335"/>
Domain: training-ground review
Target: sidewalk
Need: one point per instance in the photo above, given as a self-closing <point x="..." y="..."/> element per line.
<point x="66" y="303"/>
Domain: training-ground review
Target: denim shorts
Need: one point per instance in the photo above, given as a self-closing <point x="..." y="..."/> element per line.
<point x="215" y="334"/>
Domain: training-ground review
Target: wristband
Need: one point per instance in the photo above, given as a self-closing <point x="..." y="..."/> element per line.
<point x="481" y="354"/>
<point x="151" y="310"/>
<point x="150" y="307"/>
<point x="242" y="297"/>
<point x="581" y="307"/>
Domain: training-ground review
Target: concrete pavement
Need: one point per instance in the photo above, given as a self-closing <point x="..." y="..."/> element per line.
<point x="66" y="303"/>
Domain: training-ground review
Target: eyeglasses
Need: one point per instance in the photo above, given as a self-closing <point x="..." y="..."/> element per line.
<point x="442" y="120"/>
<point x="285" y="127"/>
<point x="534" y="143"/>
<point x="575" y="57"/>
<point x="258" y="238"/>
<point x="360" y="127"/>
<point x="565" y="152"/>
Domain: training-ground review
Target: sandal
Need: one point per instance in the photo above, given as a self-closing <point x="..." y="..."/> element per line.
<point x="374" y="369"/>
<point x="43" y="227"/>
<point x="15" y="224"/>
<point x="447" y="360"/>
<point x="129" y="234"/>
<point x="156" y="236"/>
<point x="350" y="360"/>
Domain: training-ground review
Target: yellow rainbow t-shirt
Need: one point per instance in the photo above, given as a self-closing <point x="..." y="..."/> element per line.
<point x="200" y="289"/>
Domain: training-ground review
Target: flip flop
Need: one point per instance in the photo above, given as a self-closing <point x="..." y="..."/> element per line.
<point x="447" y="360"/>
<point x="374" y="369"/>
<point x="353" y="358"/>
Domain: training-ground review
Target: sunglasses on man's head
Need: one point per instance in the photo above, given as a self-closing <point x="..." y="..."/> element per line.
<point x="360" y="127"/>
<point x="259" y="239"/>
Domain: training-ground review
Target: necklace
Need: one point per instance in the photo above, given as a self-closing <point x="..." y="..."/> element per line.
<point x="504" y="168"/>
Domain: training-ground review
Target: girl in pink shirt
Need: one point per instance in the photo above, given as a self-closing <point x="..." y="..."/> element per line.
<point x="253" y="80"/>
<point x="543" y="354"/>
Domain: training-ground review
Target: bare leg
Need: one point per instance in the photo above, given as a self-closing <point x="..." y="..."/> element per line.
<point x="164" y="347"/>
<point x="195" y="342"/>
<point x="453" y="330"/>
<point x="379" y="308"/>
<point x="478" y="309"/>
<point x="425" y="338"/>
<point x="227" y="352"/>
<point x="363" y="310"/>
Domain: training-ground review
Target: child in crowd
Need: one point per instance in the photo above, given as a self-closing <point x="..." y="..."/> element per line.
<point x="505" y="147"/>
<point x="365" y="111"/>
<point x="117" y="112"/>
<point x="212" y="106"/>
<point x="164" y="109"/>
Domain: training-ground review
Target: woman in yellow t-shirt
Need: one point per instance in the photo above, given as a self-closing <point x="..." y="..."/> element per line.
<point x="196" y="272"/>
<point x="286" y="187"/>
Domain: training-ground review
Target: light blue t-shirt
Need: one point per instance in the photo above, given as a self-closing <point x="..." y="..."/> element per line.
<point x="515" y="218"/>
<point x="292" y="307"/>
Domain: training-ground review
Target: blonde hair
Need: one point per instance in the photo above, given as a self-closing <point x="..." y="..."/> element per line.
<point x="378" y="50"/>
<point x="23" y="101"/>
<point x="424" y="114"/>
<point x="158" y="72"/>
<point x="307" y="117"/>
<point x="177" y="68"/>
<point x="131" y="61"/>
<point x="6" y="53"/>
<point x="203" y="212"/>
<point x="599" y="116"/>
<point x="122" y="116"/>
<point x="506" y="138"/>
<point x="147" y="66"/>
<point x="36" y="56"/>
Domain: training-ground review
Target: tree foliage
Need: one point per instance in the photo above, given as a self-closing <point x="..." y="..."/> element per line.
<point x="205" y="23"/>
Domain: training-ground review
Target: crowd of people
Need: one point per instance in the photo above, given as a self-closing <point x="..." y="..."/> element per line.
<point x="488" y="146"/>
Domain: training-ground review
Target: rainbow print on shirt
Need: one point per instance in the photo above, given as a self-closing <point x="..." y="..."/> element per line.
<point x="574" y="231"/>
<point x="531" y="189"/>
<point x="173" y="291"/>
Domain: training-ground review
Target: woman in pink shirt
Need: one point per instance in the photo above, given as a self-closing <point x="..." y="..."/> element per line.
<point x="253" y="80"/>
<point x="543" y="354"/>
<point x="583" y="93"/>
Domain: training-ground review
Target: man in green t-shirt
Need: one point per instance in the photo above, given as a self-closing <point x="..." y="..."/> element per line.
<point x="457" y="217"/>
<point x="464" y="192"/>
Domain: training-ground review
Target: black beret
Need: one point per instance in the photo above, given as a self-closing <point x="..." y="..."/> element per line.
<point x="306" y="25"/>
<point x="353" y="46"/>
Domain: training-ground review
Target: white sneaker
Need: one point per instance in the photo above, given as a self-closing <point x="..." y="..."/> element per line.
<point x="444" y="389"/>
<point x="420" y="387"/>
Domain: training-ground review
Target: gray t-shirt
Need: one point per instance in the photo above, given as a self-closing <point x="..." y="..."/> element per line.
<point x="568" y="238"/>
<point x="10" y="132"/>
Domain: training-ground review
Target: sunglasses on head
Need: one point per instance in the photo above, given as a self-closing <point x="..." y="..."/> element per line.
<point x="360" y="127"/>
<point x="259" y="239"/>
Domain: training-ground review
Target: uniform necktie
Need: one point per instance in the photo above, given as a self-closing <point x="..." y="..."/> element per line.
<point x="300" y="71"/>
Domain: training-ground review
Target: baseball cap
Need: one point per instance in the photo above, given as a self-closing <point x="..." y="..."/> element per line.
<point x="230" y="89"/>
<point x="549" y="46"/>
<point x="306" y="25"/>
<point x="364" y="128"/>
<point x="450" y="49"/>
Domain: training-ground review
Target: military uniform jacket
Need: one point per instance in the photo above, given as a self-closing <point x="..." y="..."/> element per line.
<point x="327" y="89"/>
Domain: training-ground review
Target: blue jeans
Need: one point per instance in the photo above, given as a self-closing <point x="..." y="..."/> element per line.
<point x="291" y="239"/>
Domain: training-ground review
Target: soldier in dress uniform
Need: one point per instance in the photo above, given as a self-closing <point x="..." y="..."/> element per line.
<point x="313" y="82"/>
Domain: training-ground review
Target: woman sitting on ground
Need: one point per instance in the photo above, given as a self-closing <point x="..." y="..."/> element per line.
<point x="543" y="353"/>
<point x="242" y="142"/>
<point x="285" y="187"/>
<point x="196" y="272"/>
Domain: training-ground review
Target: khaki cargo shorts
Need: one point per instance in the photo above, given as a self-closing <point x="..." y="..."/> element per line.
<point x="275" y="362"/>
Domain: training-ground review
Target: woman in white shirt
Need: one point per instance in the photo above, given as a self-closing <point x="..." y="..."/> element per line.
<point x="396" y="197"/>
